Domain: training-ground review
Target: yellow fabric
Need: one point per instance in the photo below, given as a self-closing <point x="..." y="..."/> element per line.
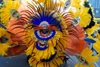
<point x="90" y="31"/>
<point x="75" y="3"/>
<point x="4" y="46"/>
<point x="55" y="62"/>
<point x="87" y="54"/>
<point x="2" y="32"/>
<point x="5" y="11"/>
<point x="97" y="44"/>
<point x="82" y="12"/>
<point x="38" y="53"/>
<point x="60" y="2"/>
<point x="80" y="65"/>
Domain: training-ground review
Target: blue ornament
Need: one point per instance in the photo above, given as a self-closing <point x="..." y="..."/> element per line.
<point x="40" y="38"/>
<point x="1" y="25"/>
<point x="89" y="40"/>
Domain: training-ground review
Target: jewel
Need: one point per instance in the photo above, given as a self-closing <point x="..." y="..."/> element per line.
<point x="14" y="13"/>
